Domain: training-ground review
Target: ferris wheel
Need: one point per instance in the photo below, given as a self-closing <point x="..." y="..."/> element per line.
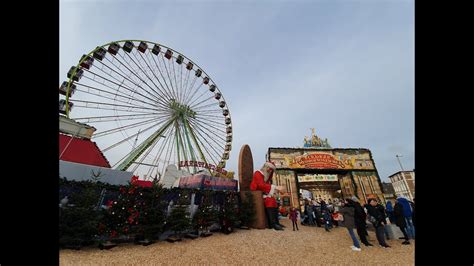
<point x="151" y="106"/>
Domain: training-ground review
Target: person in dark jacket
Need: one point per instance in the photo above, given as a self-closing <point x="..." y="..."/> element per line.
<point x="349" y="222"/>
<point x="308" y="209"/>
<point x="360" y="224"/>
<point x="327" y="219"/>
<point x="400" y="221"/>
<point x="376" y="214"/>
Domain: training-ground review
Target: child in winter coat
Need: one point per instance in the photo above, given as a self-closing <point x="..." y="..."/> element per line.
<point x="294" y="217"/>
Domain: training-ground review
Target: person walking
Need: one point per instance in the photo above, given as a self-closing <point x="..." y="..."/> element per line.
<point x="376" y="214"/>
<point x="347" y="212"/>
<point x="408" y="214"/>
<point x="294" y="218"/>
<point x="360" y="224"/>
<point x="400" y="221"/>
<point x="327" y="219"/>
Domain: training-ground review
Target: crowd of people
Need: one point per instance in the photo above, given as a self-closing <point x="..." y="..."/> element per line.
<point x="353" y="215"/>
<point x="350" y="212"/>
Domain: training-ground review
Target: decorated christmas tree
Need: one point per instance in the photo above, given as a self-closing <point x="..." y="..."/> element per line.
<point x="205" y="215"/>
<point x="247" y="210"/>
<point x="150" y="213"/>
<point x="179" y="220"/>
<point x="228" y="213"/>
<point x="121" y="215"/>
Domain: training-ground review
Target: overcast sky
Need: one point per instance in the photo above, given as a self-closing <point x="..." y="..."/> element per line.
<point x="345" y="68"/>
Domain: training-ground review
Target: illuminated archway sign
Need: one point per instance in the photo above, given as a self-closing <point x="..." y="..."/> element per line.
<point x="203" y="165"/>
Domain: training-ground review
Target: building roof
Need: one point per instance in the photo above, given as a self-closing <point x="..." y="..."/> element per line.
<point x="81" y="151"/>
<point x="399" y="172"/>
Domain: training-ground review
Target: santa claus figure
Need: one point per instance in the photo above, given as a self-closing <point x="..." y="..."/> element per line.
<point x="262" y="180"/>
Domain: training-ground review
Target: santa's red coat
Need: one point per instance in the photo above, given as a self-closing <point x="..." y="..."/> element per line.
<point x="258" y="183"/>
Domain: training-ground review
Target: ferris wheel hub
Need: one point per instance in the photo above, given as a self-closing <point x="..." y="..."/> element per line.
<point x="181" y="110"/>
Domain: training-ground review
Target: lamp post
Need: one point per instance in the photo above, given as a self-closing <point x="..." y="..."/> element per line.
<point x="398" y="158"/>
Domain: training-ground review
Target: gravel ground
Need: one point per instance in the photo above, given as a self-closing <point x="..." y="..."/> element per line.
<point x="308" y="246"/>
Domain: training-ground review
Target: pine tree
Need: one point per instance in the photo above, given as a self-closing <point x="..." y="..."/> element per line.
<point x="150" y="207"/>
<point x="78" y="218"/>
<point x="206" y="213"/>
<point x="179" y="219"/>
<point x="228" y="213"/>
<point x="247" y="210"/>
<point x="121" y="216"/>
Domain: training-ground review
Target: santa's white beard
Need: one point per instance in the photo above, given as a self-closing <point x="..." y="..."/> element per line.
<point x="267" y="176"/>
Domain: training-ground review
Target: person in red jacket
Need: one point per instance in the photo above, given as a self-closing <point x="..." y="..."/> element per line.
<point x="262" y="180"/>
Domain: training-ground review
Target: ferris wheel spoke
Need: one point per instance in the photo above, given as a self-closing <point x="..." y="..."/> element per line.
<point x="194" y="93"/>
<point x="128" y="138"/>
<point x="181" y="81"/>
<point x="120" y="85"/>
<point x="170" y="65"/>
<point x="210" y="101"/>
<point x="157" y="157"/>
<point x="157" y="79"/>
<point x="117" y="105"/>
<point x="143" y="71"/>
<point x="144" y="155"/>
<point x="168" y="152"/>
<point x="198" y="132"/>
<point x="208" y="133"/>
<point x="136" y="75"/>
<point x="144" y="145"/>
<point x="122" y="160"/>
<point x="203" y="115"/>
<point x="169" y="77"/>
<point x="165" y="144"/>
<point x="116" y="118"/>
<point x="169" y="91"/>
<point x="126" y="78"/>
<point x="193" y="104"/>
<point x="181" y="139"/>
<point x="110" y="116"/>
<point x="178" y="89"/>
<point x="86" y="106"/>
<point x="117" y="94"/>
<point x="205" y="128"/>
<point x="210" y="123"/>
<point x="129" y="126"/>
<point x="210" y="157"/>
<point x="156" y="161"/>
<point x="190" y="146"/>
<point x="199" y="108"/>
<point x="113" y="99"/>
<point x="157" y="101"/>
<point x="187" y="88"/>
<point x="194" y="138"/>
<point x="216" y="137"/>
<point x="209" y="113"/>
